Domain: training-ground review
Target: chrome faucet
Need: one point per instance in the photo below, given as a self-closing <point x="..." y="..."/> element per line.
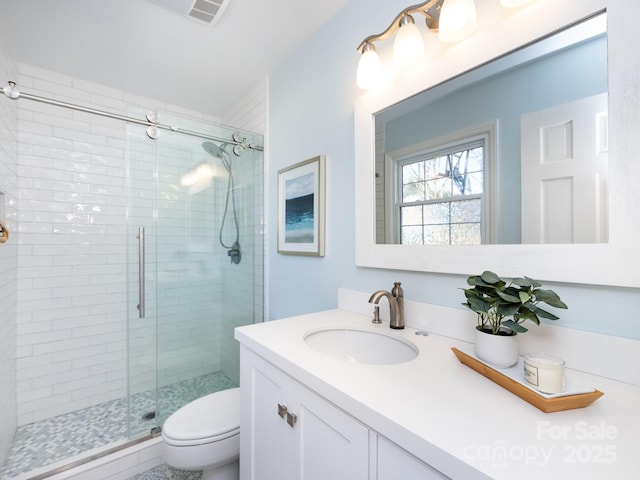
<point x="396" y="305"/>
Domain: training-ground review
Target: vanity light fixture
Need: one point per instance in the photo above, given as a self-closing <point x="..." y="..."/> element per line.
<point x="454" y="20"/>
<point x="409" y="44"/>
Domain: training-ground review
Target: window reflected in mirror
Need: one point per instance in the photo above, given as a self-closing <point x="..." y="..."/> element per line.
<point x="441" y="194"/>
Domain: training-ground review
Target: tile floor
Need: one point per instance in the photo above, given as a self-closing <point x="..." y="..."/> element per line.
<point x="54" y="439"/>
<point x="164" y="472"/>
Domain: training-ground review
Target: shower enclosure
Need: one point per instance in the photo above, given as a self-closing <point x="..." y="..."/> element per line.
<point x="157" y="259"/>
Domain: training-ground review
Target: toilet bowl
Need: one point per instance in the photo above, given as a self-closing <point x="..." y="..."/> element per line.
<point x="205" y="435"/>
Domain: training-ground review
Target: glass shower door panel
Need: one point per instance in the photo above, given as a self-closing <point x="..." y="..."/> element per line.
<point x="242" y="286"/>
<point x="194" y="204"/>
<point x="202" y="296"/>
<point x="141" y="212"/>
<point x="188" y="278"/>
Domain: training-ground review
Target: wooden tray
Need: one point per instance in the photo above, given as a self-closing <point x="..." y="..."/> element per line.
<point x="547" y="405"/>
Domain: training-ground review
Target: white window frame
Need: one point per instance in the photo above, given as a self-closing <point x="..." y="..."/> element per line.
<point x="486" y="132"/>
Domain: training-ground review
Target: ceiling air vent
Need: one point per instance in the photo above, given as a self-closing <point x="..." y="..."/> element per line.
<point x="204" y="11"/>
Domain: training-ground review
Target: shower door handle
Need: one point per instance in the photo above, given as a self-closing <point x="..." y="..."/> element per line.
<point x="140" y="238"/>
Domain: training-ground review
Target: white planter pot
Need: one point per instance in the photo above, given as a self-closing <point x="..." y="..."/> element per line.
<point x="500" y="351"/>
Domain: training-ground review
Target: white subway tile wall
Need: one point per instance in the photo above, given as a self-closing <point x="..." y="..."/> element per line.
<point x="8" y="255"/>
<point x="72" y="258"/>
<point x="72" y="255"/>
<point x="250" y="113"/>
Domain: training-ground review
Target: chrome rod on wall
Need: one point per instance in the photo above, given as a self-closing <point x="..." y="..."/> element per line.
<point x="12" y="92"/>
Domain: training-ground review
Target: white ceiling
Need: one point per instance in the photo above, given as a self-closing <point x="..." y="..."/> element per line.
<point x="142" y="48"/>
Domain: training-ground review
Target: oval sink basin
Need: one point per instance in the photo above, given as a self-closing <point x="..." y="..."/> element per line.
<point x="361" y="346"/>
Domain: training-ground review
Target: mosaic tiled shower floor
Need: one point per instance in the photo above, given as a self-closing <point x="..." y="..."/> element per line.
<point x="165" y="472"/>
<point x="54" y="439"/>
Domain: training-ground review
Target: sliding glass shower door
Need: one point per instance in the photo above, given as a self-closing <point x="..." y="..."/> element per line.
<point x="189" y="284"/>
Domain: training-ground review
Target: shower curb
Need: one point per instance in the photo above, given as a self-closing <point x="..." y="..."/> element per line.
<point x="125" y="462"/>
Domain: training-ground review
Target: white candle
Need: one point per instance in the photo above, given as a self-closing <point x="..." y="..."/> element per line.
<point x="544" y="372"/>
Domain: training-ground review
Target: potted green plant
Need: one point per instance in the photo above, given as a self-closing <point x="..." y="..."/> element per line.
<point x="502" y="307"/>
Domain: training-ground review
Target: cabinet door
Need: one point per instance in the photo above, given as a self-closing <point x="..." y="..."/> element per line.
<point x="394" y="463"/>
<point x="265" y="438"/>
<point x="329" y="443"/>
<point x="290" y="433"/>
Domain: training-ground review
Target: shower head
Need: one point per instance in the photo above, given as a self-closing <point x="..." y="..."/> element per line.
<point x="213" y="149"/>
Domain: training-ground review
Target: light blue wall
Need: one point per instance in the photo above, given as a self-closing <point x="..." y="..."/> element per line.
<point x="311" y="98"/>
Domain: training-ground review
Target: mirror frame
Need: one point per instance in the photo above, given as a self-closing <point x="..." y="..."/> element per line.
<point x="616" y="263"/>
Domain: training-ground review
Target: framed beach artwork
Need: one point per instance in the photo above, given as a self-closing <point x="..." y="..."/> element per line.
<point x="301" y="208"/>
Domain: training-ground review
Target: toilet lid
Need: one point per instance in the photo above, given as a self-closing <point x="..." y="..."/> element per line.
<point x="210" y="416"/>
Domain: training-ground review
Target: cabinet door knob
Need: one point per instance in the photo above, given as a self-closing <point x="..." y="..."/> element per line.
<point x="292" y="418"/>
<point x="282" y="410"/>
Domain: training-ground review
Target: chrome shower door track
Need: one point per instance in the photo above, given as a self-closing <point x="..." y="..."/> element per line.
<point x="154" y="433"/>
<point x="13" y="93"/>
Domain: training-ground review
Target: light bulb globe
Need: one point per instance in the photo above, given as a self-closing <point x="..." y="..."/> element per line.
<point x="369" y="69"/>
<point x="457" y="20"/>
<point x="408" y="46"/>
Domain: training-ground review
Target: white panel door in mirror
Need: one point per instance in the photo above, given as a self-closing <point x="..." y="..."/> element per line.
<point x="564" y="173"/>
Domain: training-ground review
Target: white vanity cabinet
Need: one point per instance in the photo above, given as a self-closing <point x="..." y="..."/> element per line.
<point x="394" y="463"/>
<point x="411" y="421"/>
<point x="288" y="432"/>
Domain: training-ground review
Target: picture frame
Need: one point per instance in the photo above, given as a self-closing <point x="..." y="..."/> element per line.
<point x="301" y="208"/>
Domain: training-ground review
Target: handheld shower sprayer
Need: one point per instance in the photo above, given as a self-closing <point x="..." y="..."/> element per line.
<point x="233" y="250"/>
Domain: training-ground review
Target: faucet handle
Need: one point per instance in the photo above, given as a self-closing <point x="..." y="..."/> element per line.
<point x="376" y="314"/>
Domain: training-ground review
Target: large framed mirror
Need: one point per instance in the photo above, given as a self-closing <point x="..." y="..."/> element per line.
<point x="497" y="237"/>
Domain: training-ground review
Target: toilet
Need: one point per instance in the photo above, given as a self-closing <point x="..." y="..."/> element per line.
<point x="205" y="435"/>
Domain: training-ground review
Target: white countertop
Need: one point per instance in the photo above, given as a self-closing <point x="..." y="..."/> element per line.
<point x="453" y="418"/>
